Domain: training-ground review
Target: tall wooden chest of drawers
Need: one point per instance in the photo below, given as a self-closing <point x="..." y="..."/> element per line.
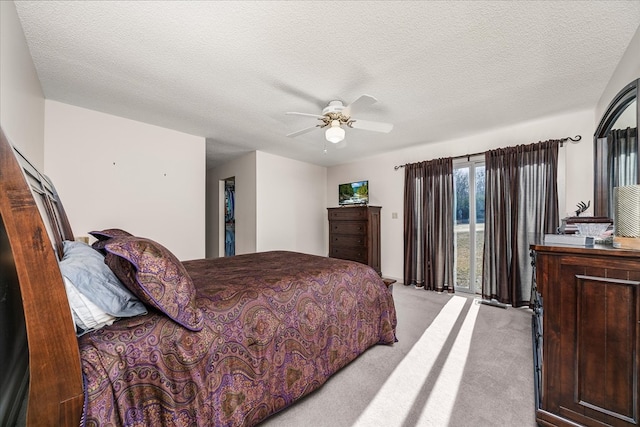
<point x="354" y="234"/>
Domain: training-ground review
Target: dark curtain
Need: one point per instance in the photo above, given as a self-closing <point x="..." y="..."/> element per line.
<point x="428" y="225"/>
<point x="622" y="160"/>
<point x="521" y="202"/>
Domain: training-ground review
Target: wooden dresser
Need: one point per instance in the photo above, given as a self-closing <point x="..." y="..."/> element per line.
<point x="354" y="234"/>
<point x="586" y="335"/>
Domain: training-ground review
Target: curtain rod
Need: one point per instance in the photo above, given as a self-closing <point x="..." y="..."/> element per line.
<point x="574" y="140"/>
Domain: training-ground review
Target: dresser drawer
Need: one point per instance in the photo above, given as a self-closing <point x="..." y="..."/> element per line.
<point x="348" y="240"/>
<point x="346" y="214"/>
<point x="348" y="227"/>
<point x="351" y="254"/>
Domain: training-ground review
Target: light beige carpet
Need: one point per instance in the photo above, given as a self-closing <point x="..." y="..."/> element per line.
<point x="457" y="363"/>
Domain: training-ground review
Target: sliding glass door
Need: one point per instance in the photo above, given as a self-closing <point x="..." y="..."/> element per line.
<point x="469" y="224"/>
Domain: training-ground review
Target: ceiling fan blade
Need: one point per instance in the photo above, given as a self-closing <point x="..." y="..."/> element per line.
<point x="374" y="126"/>
<point x="317" y="116"/>
<point x="360" y="103"/>
<point x="301" y="132"/>
<point x="298" y="93"/>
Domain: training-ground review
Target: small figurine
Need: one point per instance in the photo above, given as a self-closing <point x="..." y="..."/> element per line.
<point x="582" y="207"/>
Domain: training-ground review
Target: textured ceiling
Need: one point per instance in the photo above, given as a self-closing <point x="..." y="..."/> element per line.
<point x="229" y="70"/>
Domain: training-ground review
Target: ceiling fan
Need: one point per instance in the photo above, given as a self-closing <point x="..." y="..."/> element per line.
<point x="336" y="114"/>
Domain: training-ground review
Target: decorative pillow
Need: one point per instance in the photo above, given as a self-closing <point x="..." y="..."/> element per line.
<point x="84" y="267"/>
<point x="157" y="277"/>
<point x="104" y="236"/>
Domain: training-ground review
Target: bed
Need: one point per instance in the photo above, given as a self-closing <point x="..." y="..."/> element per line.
<point x="224" y="342"/>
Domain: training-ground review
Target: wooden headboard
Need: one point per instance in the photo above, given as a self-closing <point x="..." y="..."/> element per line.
<point x="40" y="369"/>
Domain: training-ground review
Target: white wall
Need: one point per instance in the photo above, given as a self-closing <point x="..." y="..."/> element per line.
<point x="21" y="97"/>
<point x="115" y="172"/>
<point x="291" y="205"/>
<point x="243" y="169"/>
<point x="386" y="185"/>
<point x="280" y="204"/>
<point x="627" y="70"/>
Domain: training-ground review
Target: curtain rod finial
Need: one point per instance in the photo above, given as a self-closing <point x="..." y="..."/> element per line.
<point x="575" y="139"/>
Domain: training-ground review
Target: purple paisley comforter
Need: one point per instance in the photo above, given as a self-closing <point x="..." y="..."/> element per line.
<point x="278" y="324"/>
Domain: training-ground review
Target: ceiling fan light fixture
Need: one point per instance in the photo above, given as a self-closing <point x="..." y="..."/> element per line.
<point x="335" y="133"/>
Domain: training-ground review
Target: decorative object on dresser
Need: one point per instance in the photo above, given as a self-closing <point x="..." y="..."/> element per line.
<point x="582" y="207"/>
<point x="570" y="224"/>
<point x="627" y="207"/>
<point x="569" y="239"/>
<point x="586" y="335"/>
<point x="354" y="234"/>
<point x="581" y="231"/>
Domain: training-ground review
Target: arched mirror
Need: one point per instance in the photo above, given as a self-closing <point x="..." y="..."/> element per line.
<point x="616" y="149"/>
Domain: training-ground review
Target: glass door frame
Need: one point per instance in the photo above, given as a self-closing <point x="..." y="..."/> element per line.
<point x="471" y="164"/>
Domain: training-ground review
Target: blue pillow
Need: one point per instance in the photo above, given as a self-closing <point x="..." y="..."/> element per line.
<point x="85" y="268"/>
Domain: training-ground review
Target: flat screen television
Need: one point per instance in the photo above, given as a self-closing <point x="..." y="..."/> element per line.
<point x="353" y="193"/>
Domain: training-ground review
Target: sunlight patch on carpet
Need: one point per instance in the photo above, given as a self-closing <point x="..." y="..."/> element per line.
<point x="396" y="399"/>
<point x="440" y="403"/>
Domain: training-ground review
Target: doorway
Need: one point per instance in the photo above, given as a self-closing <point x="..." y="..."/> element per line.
<point x="230" y="216"/>
<point x="469" y="185"/>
